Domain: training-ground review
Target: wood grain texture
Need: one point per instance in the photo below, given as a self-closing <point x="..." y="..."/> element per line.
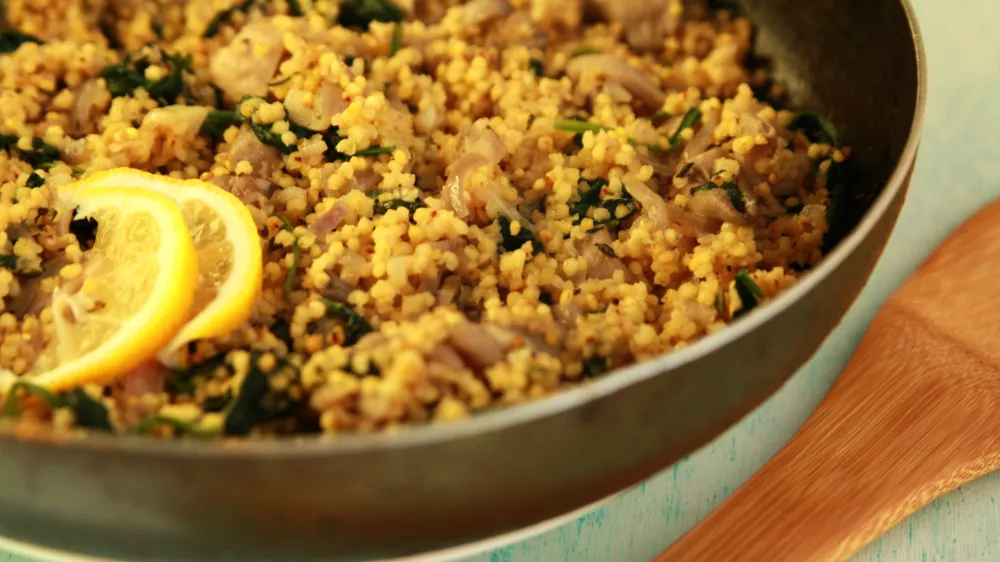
<point x="913" y="416"/>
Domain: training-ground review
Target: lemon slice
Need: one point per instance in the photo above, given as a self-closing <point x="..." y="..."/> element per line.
<point x="133" y="294"/>
<point x="230" y="264"/>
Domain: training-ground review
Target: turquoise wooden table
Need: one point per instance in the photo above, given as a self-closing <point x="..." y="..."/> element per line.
<point x="957" y="173"/>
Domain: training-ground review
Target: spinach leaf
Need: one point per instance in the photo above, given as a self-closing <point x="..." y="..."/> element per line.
<point x="125" y="78"/>
<point x="584" y="50"/>
<point x="839" y="213"/>
<point x="181" y="427"/>
<point x="580" y="126"/>
<point x="383" y="207"/>
<point x="294" y="8"/>
<point x="281" y="330"/>
<point x="373" y="150"/>
<point x="106" y="25"/>
<point x="223" y="17"/>
<point x="11" y="39"/>
<point x="217" y="121"/>
<point x="247" y="410"/>
<point x="359" y="14"/>
<point x="217" y="403"/>
<point x="332" y="138"/>
<point x="8" y="262"/>
<point x="90" y="413"/>
<point x="816" y="128"/>
<point x="748" y="291"/>
<point x="167" y="89"/>
<point x="689" y="120"/>
<point x="511" y="242"/>
<point x="659" y="116"/>
<point x="732" y="190"/>
<point x="536" y="66"/>
<point x="12" y="404"/>
<point x="355" y="325"/>
<point x="182" y="381"/>
<point x="720" y="304"/>
<point x="293" y="271"/>
<point x="397" y="40"/>
<point x="41" y="155"/>
<point x="595" y="366"/>
<point x="34" y="180"/>
<point x="590" y="198"/>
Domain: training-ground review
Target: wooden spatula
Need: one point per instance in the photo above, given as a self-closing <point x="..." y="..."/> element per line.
<point x="915" y="414"/>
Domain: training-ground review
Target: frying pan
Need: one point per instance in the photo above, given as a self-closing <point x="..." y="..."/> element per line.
<point x="860" y="62"/>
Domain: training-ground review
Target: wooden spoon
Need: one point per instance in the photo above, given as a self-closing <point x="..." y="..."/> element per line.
<point x="915" y="414"/>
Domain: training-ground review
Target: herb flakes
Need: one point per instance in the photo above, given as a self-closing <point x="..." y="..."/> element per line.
<point x="8" y="262"/>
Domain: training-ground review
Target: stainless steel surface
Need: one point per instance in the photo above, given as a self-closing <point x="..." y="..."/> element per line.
<point x="378" y="496"/>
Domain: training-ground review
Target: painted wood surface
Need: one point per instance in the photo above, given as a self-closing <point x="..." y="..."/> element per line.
<point x="958" y="172"/>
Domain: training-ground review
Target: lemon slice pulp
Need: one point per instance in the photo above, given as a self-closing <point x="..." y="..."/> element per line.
<point x="134" y="293"/>
<point x="230" y="263"/>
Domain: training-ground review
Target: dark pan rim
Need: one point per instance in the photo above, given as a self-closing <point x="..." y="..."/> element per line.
<point x="509" y="416"/>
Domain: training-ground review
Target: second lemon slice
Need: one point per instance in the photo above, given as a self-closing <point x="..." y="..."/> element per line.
<point x="225" y="237"/>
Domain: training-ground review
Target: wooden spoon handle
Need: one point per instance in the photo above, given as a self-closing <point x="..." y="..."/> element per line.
<point x="891" y="435"/>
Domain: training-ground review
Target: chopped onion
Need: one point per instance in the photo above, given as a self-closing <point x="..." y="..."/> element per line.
<point x="246" y="65"/>
<point x="181" y="120"/>
<point x="315" y="116"/>
<point x="248" y="148"/>
<point x="477" y="345"/>
<point x="616" y="70"/>
<point x="329" y="220"/>
<point x="715" y="203"/>
<point x="481" y="11"/>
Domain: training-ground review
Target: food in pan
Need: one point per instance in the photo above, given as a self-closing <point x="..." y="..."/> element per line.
<point x="279" y="217"/>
